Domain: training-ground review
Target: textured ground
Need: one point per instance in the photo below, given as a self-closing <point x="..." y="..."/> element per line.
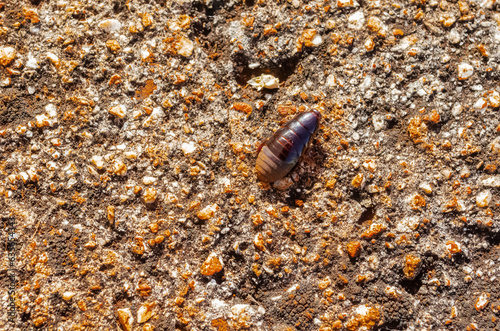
<point x="128" y="134"/>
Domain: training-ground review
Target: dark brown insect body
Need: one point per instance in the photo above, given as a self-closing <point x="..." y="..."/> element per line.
<point x="281" y="152"/>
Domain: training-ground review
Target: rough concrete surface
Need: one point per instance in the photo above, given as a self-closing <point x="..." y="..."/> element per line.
<point x="128" y="138"/>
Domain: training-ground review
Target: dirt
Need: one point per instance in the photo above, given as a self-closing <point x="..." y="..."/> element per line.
<point x="405" y="163"/>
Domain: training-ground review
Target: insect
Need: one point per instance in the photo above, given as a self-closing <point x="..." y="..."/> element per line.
<point x="281" y="152"/>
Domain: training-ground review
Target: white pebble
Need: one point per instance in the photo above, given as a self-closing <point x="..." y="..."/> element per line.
<point x="264" y="81"/>
<point x="119" y="111"/>
<point x="483" y="198"/>
<point x="426" y="187"/>
<point x="457" y="110"/>
<point x="24" y="176"/>
<point x="378" y="122"/>
<point x="188" y="148"/>
<point x="53" y="58"/>
<point x="97" y="161"/>
<point x="494" y="99"/>
<point x="454" y="36"/>
<point x="132" y="155"/>
<point x="7" y="54"/>
<point x="356" y="20"/>
<point x="32" y="63"/>
<point x="110" y="25"/>
<point x="317" y="40"/>
<point x="51" y="110"/>
<point x="445" y="58"/>
<point x="480" y="103"/>
<point x="283" y="184"/>
<point x="495" y="145"/>
<point x="147" y="180"/>
<point x="465" y="70"/>
<point x="68" y="295"/>
<point x="493" y="181"/>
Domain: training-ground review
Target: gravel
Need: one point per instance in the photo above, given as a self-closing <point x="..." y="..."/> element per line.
<point x="128" y="138"/>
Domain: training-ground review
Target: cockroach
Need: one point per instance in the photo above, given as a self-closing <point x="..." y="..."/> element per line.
<point x="281" y="152"/>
